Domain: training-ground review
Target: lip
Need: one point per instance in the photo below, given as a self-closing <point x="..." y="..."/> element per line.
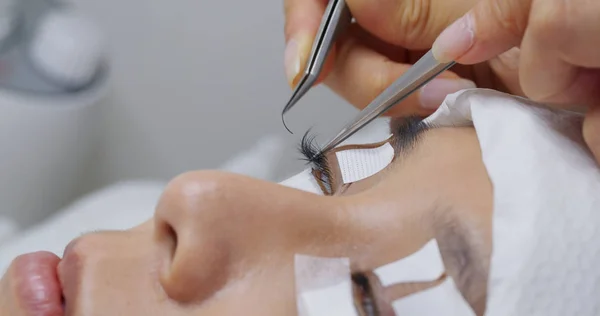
<point x="36" y="284"/>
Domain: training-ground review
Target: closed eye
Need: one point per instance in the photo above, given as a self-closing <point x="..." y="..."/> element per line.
<point x="406" y="133"/>
<point x="364" y="297"/>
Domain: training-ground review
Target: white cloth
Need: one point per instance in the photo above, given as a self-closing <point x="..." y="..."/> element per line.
<point x="546" y="237"/>
<point x="361" y="163"/>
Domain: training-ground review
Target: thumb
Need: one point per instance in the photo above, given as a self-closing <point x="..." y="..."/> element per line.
<point x="489" y="29"/>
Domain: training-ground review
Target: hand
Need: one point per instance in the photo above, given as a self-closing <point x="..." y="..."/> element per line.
<point x="7" y="299"/>
<point x="559" y="50"/>
<point x="389" y="36"/>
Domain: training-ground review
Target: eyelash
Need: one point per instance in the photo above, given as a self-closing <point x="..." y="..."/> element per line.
<point x="407" y="129"/>
<point x="313" y="156"/>
<point x="366" y="295"/>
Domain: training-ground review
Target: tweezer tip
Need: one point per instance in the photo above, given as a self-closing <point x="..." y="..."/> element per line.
<point x="286" y="109"/>
<point x="328" y="147"/>
<point x="283" y="121"/>
<point x="301" y="89"/>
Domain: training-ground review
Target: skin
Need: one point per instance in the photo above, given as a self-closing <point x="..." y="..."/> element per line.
<point x="385" y="40"/>
<point x="540" y="49"/>
<point x="559" y="59"/>
<point x="224" y="244"/>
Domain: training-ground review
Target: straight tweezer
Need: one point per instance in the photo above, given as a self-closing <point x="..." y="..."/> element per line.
<point x="337" y="16"/>
<point x="413" y="79"/>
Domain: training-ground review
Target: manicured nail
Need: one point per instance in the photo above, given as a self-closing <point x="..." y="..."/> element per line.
<point x="433" y="93"/>
<point x="455" y="40"/>
<point x="296" y="55"/>
<point x="292" y="61"/>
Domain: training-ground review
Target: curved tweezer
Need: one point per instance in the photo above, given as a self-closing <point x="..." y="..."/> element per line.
<point x="337" y="16"/>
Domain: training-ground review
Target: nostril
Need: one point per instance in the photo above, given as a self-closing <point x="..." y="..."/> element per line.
<point x="167" y="238"/>
<point x="191" y="268"/>
<point x="172" y="239"/>
<point x="196" y="242"/>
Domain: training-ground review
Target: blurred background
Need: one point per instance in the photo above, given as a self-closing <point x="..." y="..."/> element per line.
<point x="193" y="83"/>
<point x="189" y="85"/>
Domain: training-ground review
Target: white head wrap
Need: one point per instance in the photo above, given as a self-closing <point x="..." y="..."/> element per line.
<point x="546" y="241"/>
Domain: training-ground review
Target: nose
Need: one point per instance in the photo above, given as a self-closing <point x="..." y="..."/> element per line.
<point x="210" y="226"/>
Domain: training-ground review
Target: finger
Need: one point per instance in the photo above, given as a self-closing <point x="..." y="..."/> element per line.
<point x="545" y="77"/>
<point x="412" y="24"/>
<point x="572" y="28"/>
<point x="361" y="73"/>
<point x="302" y="16"/>
<point x="479" y="73"/>
<point x="302" y="20"/>
<point x="591" y="131"/>
<point x="560" y="61"/>
<point x="506" y="69"/>
<point x="393" y="52"/>
<point x="489" y="29"/>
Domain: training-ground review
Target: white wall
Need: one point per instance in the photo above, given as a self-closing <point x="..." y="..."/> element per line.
<point x="194" y="82"/>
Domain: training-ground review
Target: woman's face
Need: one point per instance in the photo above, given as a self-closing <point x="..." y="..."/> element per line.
<point x="224" y="244"/>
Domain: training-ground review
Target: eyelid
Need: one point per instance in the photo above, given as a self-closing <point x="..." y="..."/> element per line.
<point x="323" y="184"/>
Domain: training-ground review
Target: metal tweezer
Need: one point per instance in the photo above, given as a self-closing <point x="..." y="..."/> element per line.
<point x="423" y="71"/>
<point x="336" y="18"/>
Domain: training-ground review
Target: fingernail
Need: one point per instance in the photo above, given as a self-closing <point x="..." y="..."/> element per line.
<point x="292" y="61"/>
<point x="433" y="93"/>
<point x="455" y="40"/>
<point x="296" y="55"/>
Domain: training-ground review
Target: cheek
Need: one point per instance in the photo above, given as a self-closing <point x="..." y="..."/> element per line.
<point x="266" y="291"/>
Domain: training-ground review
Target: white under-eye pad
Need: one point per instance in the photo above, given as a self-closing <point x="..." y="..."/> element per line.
<point x="444" y="299"/>
<point x="361" y="163"/>
<point x="422" y="266"/>
<point x="323" y="286"/>
<point x="304" y="181"/>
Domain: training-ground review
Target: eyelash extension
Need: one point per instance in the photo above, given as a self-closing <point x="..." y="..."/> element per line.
<point x="313" y="156"/>
<point x="365" y="295"/>
<point x="408" y="131"/>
